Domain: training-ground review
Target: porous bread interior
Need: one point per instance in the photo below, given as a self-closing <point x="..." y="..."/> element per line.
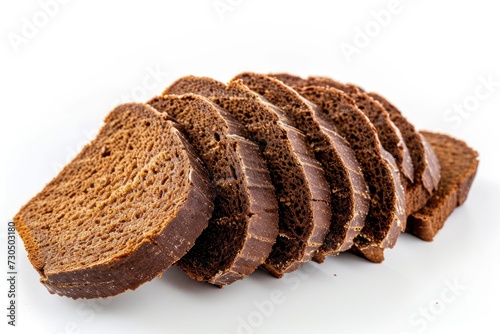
<point x="120" y="191"/>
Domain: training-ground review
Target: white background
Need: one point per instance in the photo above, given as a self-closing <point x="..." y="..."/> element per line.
<point x="60" y="78"/>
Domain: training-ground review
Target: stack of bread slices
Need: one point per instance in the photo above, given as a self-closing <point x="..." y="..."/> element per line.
<point x="266" y="171"/>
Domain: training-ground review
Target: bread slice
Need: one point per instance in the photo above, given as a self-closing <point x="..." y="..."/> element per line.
<point x="349" y="192"/>
<point x="389" y="135"/>
<point x="301" y="189"/>
<point x="425" y="163"/>
<point x="458" y="168"/>
<point x="244" y="226"/>
<point x="129" y="205"/>
<point x="384" y="221"/>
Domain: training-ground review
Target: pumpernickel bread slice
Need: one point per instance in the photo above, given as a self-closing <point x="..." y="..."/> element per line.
<point x="301" y="189"/>
<point x="244" y="225"/>
<point x="129" y="205"/>
<point x="425" y="163"/>
<point x="458" y="168"/>
<point x="384" y="221"/>
<point x="350" y="197"/>
<point x="389" y="135"/>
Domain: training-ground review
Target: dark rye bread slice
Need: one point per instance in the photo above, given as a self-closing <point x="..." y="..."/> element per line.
<point x="384" y="221"/>
<point x="389" y="135"/>
<point x="425" y="163"/>
<point x="244" y="226"/>
<point x="349" y="192"/>
<point x="458" y="168"/>
<point x="129" y="205"/>
<point x="301" y="189"/>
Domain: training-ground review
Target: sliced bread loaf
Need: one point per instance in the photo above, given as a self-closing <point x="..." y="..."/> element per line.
<point x="389" y="135"/>
<point x="385" y="217"/>
<point x="129" y="205"/>
<point x="244" y="225"/>
<point x="349" y="192"/>
<point x="301" y="189"/>
<point x="458" y="168"/>
<point x="425" y="163"/>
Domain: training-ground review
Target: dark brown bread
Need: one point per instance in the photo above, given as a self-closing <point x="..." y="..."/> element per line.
<point x="425" y="162"/>
<point x="349" y="192"/>
<point x="301" y="189"/>
<point x="244" y="226"/>
<point x="385" y="217"/>
<point x="458" y="169"/>
<point x="388" y="133"/>
<point x="128" y="206"/>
